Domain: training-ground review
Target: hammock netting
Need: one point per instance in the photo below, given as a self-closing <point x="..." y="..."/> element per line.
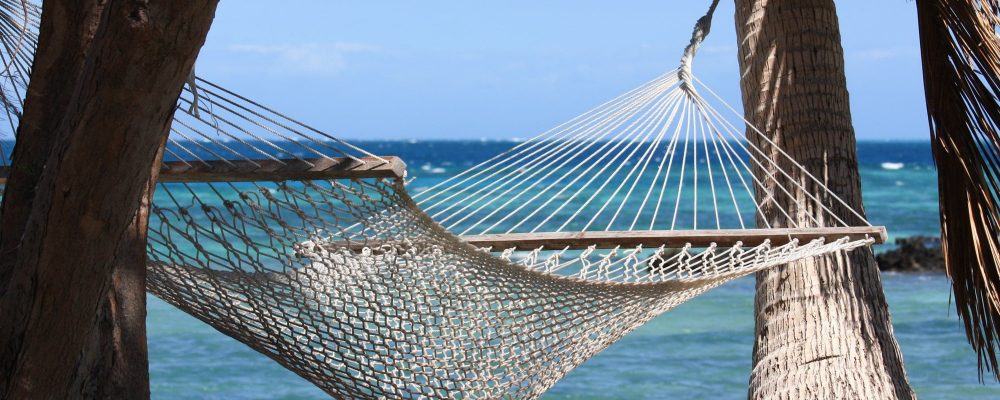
<point x="367" y="293"/>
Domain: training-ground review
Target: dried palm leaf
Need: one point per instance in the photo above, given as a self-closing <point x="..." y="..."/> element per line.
<point x="961" y="60"/>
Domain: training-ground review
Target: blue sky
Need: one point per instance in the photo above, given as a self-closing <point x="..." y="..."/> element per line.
<point x="470" y="70"/>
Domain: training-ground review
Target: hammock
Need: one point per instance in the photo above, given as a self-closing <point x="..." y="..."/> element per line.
<point x="493" y="284"/>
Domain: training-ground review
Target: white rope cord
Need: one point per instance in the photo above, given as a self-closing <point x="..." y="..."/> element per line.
<point x="642" y="162"/>
<point x="180" y="123"/>
<point x="694" y="167"/>
<point x="732" y="156"/>
<point x="634" y="140"/>
<point x="616" y="118"/>
<point x="577" y="176"/>
<point x="518" y="178"/>
<point x="671" y="147"/>
<point x="515" y="168"/>
<point x="593" y="176"/>
<point x="194" y="156"/>
<point x="714" y="134"/>
<point x="708" y="163"/>
<point x="209" y="96"/>
<point x="673" y="152"/>
<point x="576" y="149"/>
<point x="587" y="172"/>
<point x="701" y="30"/>
<point x="758" y="180"/>
<point x="680" y="185"/>
<point x="231" y="97"/>
<point x="597" y="193"/>
<point x="530" y="151"/>
<point x="790" y="159"/>
<point x="639" y="167"/>
<point x="657" y="111"/>
<point x="491" y="162"/>
<point x="734" y="134"/>
<point x="196" y="110"/>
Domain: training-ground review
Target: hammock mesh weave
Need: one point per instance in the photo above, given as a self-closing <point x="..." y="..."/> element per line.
<point x="419" y="313"/>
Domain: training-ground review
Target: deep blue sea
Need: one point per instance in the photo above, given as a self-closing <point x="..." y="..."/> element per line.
<point x="699" y="350"/>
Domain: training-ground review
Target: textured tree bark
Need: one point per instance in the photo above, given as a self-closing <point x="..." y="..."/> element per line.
<point x="118" y="362"/>
<point x="823" y="328"/>
<point x="63" y="40"/>
<point x="115" y="362"/>
<point x="84" y="201"/>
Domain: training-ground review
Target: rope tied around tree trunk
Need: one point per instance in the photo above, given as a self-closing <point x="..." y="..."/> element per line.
<point x="701" y="30"/>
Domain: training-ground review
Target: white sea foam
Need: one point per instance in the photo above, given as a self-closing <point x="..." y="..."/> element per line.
<point x="432" y="169"/>
<point x="893" y="166"/>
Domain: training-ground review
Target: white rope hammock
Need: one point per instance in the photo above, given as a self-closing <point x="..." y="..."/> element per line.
<point x="310" y="250"/>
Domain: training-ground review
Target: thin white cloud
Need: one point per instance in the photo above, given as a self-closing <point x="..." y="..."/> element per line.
<point x="319" y="58"/>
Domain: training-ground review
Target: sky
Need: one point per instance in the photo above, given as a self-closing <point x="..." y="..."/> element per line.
<point x="513" y="69"/>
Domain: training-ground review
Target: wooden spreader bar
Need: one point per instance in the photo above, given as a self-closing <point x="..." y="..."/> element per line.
<point x="648" y="239"/>
<point x="274" y="170"/>
<point x="284" y="170"/>
<point x="679" y="238"/>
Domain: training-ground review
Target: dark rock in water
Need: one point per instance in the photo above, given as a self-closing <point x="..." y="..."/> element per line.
<point x="913" y="254"/>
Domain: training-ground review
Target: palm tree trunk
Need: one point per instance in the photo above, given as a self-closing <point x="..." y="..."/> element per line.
<point x="822" y="325"/>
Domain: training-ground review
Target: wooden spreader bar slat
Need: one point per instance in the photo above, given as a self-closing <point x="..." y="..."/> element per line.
<point x="274" y="170"/>
<point x="648" y="239"/>
<point x="284" y="170"/>
<point x="697" y="238"/>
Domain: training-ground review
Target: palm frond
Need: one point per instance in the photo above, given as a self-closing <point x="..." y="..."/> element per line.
<point x="960" y="49"/>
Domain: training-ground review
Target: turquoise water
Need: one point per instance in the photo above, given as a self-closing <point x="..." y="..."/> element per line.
<point x="700" y="350"/>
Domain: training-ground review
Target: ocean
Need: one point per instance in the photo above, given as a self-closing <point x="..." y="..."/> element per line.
<point x="699" y="350"/>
